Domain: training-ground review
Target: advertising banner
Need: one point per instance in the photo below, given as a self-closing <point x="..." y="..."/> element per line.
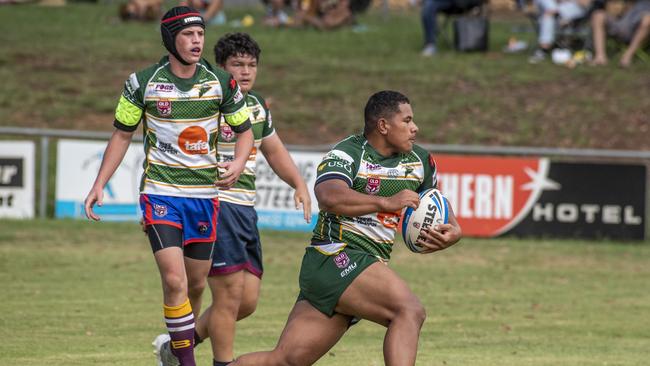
<point x="274" y="202"/>
<point x="17" y="179"/>
<point x="77" y="166"/>
<point x="493" y="196"/>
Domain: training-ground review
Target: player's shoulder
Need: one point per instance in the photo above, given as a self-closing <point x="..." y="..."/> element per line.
<point x="220" y="74"/>
<point x="349" y="148"/>
<point x="256" y="98"/>
<point x="424" y="156"/>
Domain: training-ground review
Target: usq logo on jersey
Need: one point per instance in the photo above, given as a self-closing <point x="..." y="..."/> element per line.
<point x="342" y="260"/>
<point x="227" y="134"/>
<point x="372" y="187"/>
<point x="159" y="210"/>
<point x="164" y="108"/>
<point x="193" y="141"/>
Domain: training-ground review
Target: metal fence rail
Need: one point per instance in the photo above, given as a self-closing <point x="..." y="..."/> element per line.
<point x="44" y="135"/>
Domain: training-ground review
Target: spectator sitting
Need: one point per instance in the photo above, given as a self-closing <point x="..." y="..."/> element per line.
<point x="145" y="10"/>
<point x="276" y="13"/>
<point x="430" y="10"/>
<point x="325" y="14"/>
<point x="554" y="13"/>
<point x="632" y="28"/>
<point x="211" y="10"/>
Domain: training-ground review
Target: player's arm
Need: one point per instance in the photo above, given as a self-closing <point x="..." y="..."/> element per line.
<point x="128" y="115"/>
<point x="113" y="155"/>
<point x="439" y="236"/>
<point x="235" y="113"/>
<point x="280" y="161"/>
<point x="336" y="196"/>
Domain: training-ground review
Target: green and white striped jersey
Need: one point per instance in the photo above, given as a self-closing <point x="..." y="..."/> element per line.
<point x="357" y="163"/>
<point x="180" y="122"/>
<point x="243" y="191"/>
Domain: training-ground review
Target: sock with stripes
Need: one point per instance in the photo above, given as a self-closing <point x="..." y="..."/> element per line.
<point x="180" y="325"/>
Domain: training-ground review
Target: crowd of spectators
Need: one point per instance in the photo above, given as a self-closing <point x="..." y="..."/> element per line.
<point x="626" y="32"/>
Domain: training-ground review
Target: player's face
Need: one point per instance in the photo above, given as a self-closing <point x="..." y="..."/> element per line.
<point x="189" y="43"/>
<point x="401" y="129"/>
<point x="243" y="68"/>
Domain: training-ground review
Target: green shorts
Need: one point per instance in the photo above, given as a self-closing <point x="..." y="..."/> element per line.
<point x="327" y="270"/>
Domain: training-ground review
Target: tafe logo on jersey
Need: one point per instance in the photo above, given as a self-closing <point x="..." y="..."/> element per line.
<point x="164" y="108"/>
<point x="372" y="187"/>
<point x="165" y="88"/>
<point x="193" y="141"/>
<point x="342" y="260"/>
<point x="227" y="133"/>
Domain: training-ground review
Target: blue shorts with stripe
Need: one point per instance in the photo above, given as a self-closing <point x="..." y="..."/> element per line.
<point x="196" y="217"/>
<point x="238" y="246"/>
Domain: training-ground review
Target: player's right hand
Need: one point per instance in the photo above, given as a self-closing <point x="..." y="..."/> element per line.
<point x="96" y="195"/>
<point x="404" y="198"/>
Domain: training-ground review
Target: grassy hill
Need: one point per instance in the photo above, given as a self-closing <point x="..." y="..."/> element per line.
<point x="64" y="67"/>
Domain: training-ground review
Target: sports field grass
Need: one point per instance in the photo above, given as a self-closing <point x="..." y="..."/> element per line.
<point x="79" y="293"/>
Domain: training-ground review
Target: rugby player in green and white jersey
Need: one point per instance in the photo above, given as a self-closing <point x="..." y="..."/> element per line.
<point x="236" y="272"/>
<point x="362" y="185"/>
<point x="179" y="101"/>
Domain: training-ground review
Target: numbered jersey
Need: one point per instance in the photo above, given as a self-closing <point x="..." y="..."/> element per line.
<point x="355" y="162"/>
<point x="243" y="192"/>
<point x="180" y="122"/>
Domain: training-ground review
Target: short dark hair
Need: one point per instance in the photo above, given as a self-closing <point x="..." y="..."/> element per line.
<point x="235" y="44"/>
<point x="383" y="104"/>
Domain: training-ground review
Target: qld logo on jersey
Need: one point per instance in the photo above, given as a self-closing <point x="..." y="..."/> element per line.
<point x="193" y="141"/>
<point x="164" y="107"/>
<point x="227" y="134"/>
<point x="342" y="260"/>
<point x="373" y="185"/>
<point x="160" y="210"/>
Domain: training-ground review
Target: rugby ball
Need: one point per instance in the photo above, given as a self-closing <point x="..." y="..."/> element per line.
<point x="433" y="209"/>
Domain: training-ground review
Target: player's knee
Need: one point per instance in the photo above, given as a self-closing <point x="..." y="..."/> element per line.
<point x="413" y="311"/>
<point x="174" y="283"/>
<point x="196" y="287"/>
<point x="247" y="308"/>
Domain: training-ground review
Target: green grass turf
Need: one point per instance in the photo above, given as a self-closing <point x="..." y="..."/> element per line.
<point x="81" y="293"/>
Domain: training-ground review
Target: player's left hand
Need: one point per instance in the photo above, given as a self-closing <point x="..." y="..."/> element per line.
<point x="231" y="172"/>
<point x="439" y="237"/>
<point x="302" y="197"/>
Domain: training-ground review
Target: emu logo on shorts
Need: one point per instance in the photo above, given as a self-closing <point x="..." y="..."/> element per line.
<point x="159" y="210"/>
<point x="372" y="187"/>
<point x="342" y="260"/>
<point x="227" y="133"/>
<point x="203" y="227"/>
<point x="164" y="108"/>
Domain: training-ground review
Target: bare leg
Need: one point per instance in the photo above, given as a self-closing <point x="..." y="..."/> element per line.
<point x="380" y="295"/>
<point x="197" y="271"/>
<point x="598" y="22"/>
<point x="250" y="295"/>
<point x="212" y="9"/>
<point x="639" y="36"/>
<point x="307" y="336"/>
<point x="172" y="273"/>
<point x="222" y="315"/>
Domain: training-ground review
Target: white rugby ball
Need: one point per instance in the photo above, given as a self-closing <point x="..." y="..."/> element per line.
<point x="433" y="209"/>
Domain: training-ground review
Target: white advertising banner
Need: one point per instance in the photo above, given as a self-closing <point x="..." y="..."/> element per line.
<point x="17" y="179"/>
<point x="274" y="203"/>
<point x="77" y="166"/>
